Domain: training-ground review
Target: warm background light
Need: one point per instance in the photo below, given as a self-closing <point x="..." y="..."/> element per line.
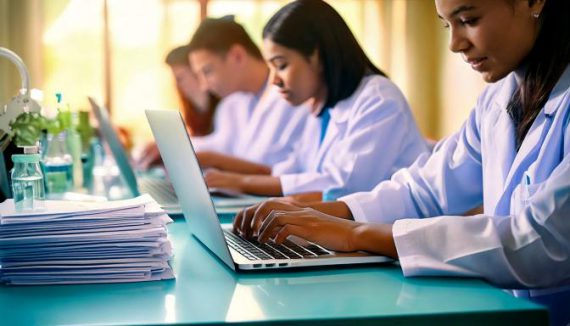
<point x="63" y="44"/>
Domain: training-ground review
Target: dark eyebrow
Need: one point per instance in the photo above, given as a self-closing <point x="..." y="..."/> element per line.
<point x="459" y="10"/>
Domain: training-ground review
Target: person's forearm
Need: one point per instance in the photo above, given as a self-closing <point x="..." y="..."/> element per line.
<point x="237" y="165"/>
<point x="375" y="238"/>
<point x="229" y="163"/>
<point x="307" y="197"/>
<point x="334" y="208"/>
<point x="263" y="185"/>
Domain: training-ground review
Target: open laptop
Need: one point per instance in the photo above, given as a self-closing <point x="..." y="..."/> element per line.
<point x="227" y="202"/>
<point x="160" y="189"/>
<point x="239" y="254"/>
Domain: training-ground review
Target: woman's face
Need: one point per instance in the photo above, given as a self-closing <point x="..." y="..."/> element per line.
<point x="493" y="36"/>
<point x="216" y="72"/>
<point x="299" y="78"/>
<point x="186" y="80"/>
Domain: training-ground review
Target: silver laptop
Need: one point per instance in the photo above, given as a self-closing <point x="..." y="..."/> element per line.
<point x="160" y="189"/>
<point x="239" y="254"/>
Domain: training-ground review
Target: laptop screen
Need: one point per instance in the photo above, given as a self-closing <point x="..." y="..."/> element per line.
<point x="186" y="176"/>
<point x="117" y="149"/>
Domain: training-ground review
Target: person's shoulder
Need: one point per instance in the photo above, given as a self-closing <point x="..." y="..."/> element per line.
<point x="375" y="84"/>
<point x="374" y="91"/>
<point x="379" y="88"/>
<point x="237" y="99"/>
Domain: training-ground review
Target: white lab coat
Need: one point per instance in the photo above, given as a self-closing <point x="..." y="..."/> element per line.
<point x="262" y="128"/>
<point x="523" y="238"/>
<point x="370" y="135"/>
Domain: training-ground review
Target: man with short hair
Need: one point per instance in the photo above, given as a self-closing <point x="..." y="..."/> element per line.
<point x="254" y="127"/>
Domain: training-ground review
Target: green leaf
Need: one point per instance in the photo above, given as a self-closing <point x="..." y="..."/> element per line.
<point x="28" y="128"/>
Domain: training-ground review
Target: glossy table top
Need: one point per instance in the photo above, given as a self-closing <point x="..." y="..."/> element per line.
<point x="206" y="291"/>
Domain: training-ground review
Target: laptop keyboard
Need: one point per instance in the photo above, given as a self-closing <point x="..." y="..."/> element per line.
<point x="159" y="189"/>
<point x="253" y="250"/>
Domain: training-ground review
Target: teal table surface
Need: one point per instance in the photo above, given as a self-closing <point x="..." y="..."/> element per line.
<point x="206" y="291"/>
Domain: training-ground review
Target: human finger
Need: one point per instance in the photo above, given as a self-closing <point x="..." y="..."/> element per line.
<point x="237" y="221"/>
<point x="276" y="220"/>
<point x="279" y="235"/>
<point x="246" y="220"/>
<point x="265" y="209"/>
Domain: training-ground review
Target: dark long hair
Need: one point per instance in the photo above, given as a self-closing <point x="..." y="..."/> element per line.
<point x="309" y="25"/>
<point x="544" y="65"/>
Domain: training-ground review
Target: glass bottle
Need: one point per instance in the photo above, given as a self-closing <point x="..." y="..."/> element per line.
<point x="27" y="182"/>
<point x="57" y="164"/>
<point x="74" y="146"/>
<point x="86" y="134"/>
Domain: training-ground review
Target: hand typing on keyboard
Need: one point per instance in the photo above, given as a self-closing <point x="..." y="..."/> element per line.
<point x="276" y="220"/>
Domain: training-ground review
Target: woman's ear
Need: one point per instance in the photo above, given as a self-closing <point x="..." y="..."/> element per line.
<point x="536" y="7"/>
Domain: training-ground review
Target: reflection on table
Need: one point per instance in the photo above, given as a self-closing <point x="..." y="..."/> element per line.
<point x="206" y="291"/>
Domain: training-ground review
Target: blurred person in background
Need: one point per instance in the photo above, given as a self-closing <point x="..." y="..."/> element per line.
<point x="361" y="129"/>
<point x="198" y="106"/>
<point x="254" y="127"/>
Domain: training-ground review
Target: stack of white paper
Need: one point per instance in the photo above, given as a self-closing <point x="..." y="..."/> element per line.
<point x="85" y="242"/>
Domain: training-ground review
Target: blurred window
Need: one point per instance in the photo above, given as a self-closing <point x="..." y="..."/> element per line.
<point x="140" y="34"/>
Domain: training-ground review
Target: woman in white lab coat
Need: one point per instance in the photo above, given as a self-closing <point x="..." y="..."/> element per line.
<point x="512" y="154"/>
<point x="361" y="130"/>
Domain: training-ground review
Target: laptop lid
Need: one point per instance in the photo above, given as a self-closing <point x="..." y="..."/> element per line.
<point x="117" y="149"/>
<point x="182" y="165"/>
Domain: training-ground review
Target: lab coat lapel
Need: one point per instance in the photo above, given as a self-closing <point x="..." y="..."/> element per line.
<point x="499" y="154"/>
<point x="530" y="149"/>
<point x="330" y="138"/>
<point x="339" y="116"/>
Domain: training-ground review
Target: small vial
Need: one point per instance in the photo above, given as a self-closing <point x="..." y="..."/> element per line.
<point x="58" y="165"/>
<point x="27" y="182"/>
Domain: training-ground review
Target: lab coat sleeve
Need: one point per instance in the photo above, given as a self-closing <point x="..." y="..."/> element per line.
<point x="289" y="165"/>
<point x="446" y="182"/>
<point x="528" y="250"/>
<point x="224" y="137"/>
<point x="379" y="133"/>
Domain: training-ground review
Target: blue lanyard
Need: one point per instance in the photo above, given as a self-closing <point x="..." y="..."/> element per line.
<point x="325" y="118"/>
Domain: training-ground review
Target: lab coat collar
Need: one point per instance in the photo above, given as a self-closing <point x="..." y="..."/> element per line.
<point x="554" y="98"/>
<point x="340" y="114"/>
<point x="534" y="139"/>
<point x="506" y="91"/>
<point x="557" y="93"/>
<point x="341" y="111"/>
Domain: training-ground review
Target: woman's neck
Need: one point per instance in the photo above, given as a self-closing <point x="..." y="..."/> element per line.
<point x="318" y="101"/>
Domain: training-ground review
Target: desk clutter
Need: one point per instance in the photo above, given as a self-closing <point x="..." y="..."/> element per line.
<point x="72" y="242"/>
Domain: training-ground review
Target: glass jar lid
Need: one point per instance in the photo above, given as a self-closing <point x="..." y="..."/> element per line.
<point x="26" y="158"/>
